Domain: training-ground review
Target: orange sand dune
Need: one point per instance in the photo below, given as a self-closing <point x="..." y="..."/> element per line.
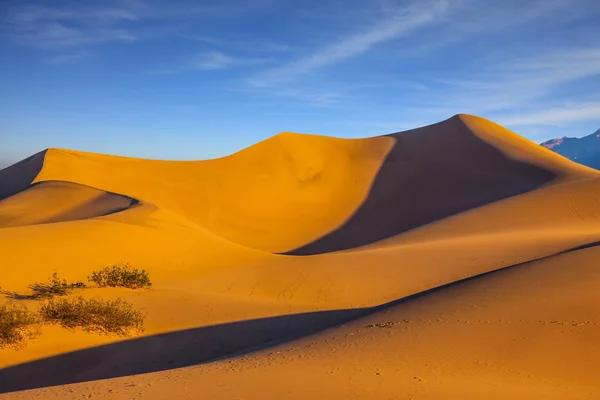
<point x="297" y="190"/>
<point x="54" y="201"/>
<point x="377" y="221"/>
<point x="441" y="170"/>
<point x="309" y="183"/>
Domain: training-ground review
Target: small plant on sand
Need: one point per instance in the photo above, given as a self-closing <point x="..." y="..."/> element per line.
<point x="54" y="287"/>
<point x="121" y="275"/>
<point x="17" y="325"/>
<point x="43" y="290"/>
<point x="116" y="317"/>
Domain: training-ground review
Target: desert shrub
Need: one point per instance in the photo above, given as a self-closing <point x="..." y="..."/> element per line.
<point x="17" y="325"/>
<point x="54" y="287"/>
<point x="115" y="317"/>
<point x="121" y="275"/>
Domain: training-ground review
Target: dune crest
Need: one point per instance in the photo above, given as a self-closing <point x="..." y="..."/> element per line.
<point x="306" y="194"/>
<point x="272" y="196"/>
<point x="19" y="176"/>
<point x="441" y="170"/>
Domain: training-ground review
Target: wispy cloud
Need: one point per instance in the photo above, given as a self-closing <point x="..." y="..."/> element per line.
<point x="214" y="61"/>
<point x="403" y="21"/>
<point x="557" y="66"/>
<point x="68" y="58"/>
<point x="86" y="23"/>
<point x="48" y="27"/>
<point x="31" y="14"/>
<point x="233" y="44"/>
<point x="557" y="115"/>
<point x="496" y="87"/>
<point x="312" y="97"/>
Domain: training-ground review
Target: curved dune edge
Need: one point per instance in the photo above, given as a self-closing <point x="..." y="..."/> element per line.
<point x="57" y="201"/>
<point x="19" y="176"/>
<point x="521" y="149"/>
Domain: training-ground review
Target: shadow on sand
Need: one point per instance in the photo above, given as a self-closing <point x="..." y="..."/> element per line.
<point x="198" y="345"/>
<point x="431" y="173"/>
<point x="19" y="176"/>
<point x="168" y="350"/>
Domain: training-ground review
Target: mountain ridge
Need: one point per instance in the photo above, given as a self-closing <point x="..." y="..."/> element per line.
<point x="584" y="150"/>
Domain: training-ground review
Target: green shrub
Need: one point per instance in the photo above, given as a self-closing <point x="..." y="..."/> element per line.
<point x="102" y="316"/>
<point x="17" y="325"/>
<point x="121" y="275"/>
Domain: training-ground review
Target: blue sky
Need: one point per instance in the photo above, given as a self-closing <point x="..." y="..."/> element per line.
<point x="201" y="79"/>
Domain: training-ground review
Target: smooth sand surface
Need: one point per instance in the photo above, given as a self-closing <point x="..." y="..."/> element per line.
<point x="471" y="247"/>
<point x="53" y="201"/>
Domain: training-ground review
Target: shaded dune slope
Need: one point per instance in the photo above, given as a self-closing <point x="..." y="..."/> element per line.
<point x="55" y="201"/>
<point x="19" y="176"/>
<point x="435" y="172"/>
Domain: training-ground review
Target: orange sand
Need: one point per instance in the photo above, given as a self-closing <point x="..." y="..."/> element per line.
<point x="357" y="224"/>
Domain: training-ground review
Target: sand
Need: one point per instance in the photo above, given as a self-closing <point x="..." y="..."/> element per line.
<point x="451" y="261"/>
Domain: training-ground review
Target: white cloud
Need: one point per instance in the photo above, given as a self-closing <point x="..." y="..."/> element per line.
<point x="213" y="61"/>
<point x="33" y="14"/>
<point x="556" y="115"/>
<point x="493" y="89"/>
<point x="258" y="47"/>
<point x="56" y="35"/>
<point x="403" y="21"/>
<point x="68" y="58"/>
<point x="53" y="27"/>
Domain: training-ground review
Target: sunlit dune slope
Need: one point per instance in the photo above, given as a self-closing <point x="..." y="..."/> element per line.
<point x="527" y="332"/>
<point x="272" y="196"/>
<point x="54" y="201"/>
<point x="309" y="194"/>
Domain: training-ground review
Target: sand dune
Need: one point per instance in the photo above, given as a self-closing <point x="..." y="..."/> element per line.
<point x="441" y="170"/>
<point x="380" y="223"/>
<point x="54" y="201"/>
<point x="310" y="183"/>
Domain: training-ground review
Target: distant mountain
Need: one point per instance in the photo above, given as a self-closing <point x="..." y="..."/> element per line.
<point x="585" y="150"/>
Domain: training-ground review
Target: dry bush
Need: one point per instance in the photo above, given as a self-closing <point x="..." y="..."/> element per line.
<point x="17" y="325"/>
<point x="116" y="317"/>
<point x="121" y="275"/>
<point x="54" y="287"/>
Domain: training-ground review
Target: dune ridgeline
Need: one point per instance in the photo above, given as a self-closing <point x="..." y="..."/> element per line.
<point x="452" y="261"/>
